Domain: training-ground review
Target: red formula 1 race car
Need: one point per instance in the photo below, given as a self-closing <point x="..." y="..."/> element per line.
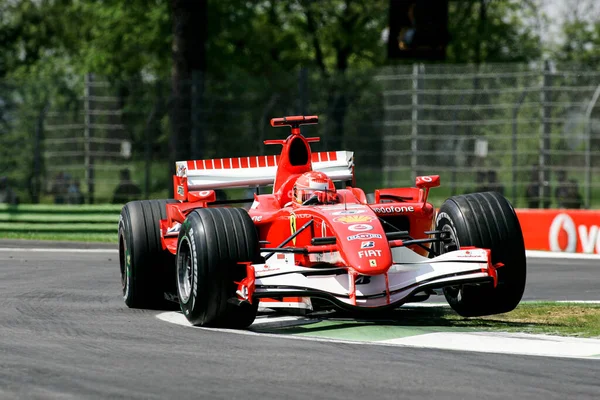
<point x="314" y="239"/>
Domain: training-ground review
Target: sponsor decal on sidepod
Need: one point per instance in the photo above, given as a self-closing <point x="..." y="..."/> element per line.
<point x="364" y="236"/>
<point x="471" y="254"/>
<point x="360" y="227"/>
<point x="367" y="245"/>
<point x="369" y="253"/>
<point x="341" y="207"/>
<point x="353" y="219"/>
<point x="590" y="239"/>
<point x="348" y="212"/>
<point x="303" y="216"/>
<point x="395" y="209"/>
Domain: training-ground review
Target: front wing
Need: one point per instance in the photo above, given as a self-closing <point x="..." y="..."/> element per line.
<point x="346" y="289"/>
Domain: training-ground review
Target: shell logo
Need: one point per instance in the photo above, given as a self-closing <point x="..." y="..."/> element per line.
<point x="354" y="219"/>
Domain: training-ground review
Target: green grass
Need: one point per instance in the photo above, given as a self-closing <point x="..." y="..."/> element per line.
<point x="69" y="227"/>
<point x="59" y="222"/>
<point x="59" y="218"/>
<point x="563" y="319"/>
<point x="549" y="318"/>
<point x="62" y="208"/>
<point x="68" y="236"/>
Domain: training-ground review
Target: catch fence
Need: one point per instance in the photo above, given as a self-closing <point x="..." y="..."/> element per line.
<point x="521" y="124"/>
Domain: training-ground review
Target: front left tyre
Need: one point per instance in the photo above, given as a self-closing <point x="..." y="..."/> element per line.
<point x="485" y="220"/>
<point x="147" y="271"/>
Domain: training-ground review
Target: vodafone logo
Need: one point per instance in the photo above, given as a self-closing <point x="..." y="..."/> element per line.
<point x="564" y="236"/>
<point x="563" y="230"/>
<point x="395" y="209"/>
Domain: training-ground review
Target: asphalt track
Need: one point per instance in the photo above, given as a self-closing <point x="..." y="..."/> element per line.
<point x="65" y="333"/>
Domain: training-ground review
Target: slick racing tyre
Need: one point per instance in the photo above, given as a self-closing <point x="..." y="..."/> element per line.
<point x="485" y="220"/>
<point x="211" y="243"/>
<point x="147" y="271"/>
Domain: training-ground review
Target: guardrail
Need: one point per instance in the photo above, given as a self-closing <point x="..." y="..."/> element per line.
<point x="572" y="231"/>
<point x="59" y="219"/>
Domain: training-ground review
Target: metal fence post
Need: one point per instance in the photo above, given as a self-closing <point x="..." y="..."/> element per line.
<point x="35" y="184"/>
<point x="588" y="148"/>
<point x="88" y="135"/>
<point x="545" y="144"/>
<point x="415" y="121"/>
<point x="515" y="159"/>
<point x="455" y="144"/>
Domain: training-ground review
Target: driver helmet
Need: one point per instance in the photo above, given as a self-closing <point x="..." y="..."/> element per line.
<point x="316" y="185"/>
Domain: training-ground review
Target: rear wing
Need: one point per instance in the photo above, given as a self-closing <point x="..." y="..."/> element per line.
<point x="244" y="172"/>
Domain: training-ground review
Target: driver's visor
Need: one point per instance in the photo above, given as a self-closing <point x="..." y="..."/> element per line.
<point x="323" y="195"/>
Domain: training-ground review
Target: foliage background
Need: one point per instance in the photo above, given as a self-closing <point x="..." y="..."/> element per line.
<point x="194" y="81"/>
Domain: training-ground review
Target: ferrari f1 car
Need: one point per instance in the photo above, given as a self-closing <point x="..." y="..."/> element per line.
<point x="315" y="238"/>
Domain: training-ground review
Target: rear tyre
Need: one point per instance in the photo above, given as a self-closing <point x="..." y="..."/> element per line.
<point x="147" y="271"/>
<point x="211" y="243"/>
<point x="485" y="220"/>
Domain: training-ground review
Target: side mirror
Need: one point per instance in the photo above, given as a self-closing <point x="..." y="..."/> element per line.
<point x="428" y="181"/>
<point x="206" y="196"/>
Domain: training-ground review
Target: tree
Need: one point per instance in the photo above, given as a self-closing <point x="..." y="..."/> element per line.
<point x="580" y="33"/>
<point x="492" y="31"/>
<point x="188" y="69"/>
<point x="224" y="52"/>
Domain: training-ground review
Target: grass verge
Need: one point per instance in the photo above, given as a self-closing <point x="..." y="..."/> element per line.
<point x="550" y="318"/>
<point x="69" y="236"/>
<point x="564" y="319"/>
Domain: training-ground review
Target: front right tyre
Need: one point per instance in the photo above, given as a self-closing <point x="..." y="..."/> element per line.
<point x="212" y="242"/>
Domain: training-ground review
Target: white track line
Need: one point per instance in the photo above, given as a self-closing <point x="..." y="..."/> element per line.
<point x="561" y="255"/>
<point x="506" y="343"/>
<point x="442" y="304"/>
<point x="482" y="342"/>
<point x="425" y="305"/>
<point x="178" y="318"/>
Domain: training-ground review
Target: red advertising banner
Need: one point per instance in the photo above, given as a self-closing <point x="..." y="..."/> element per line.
<point x="571" y="231"/>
